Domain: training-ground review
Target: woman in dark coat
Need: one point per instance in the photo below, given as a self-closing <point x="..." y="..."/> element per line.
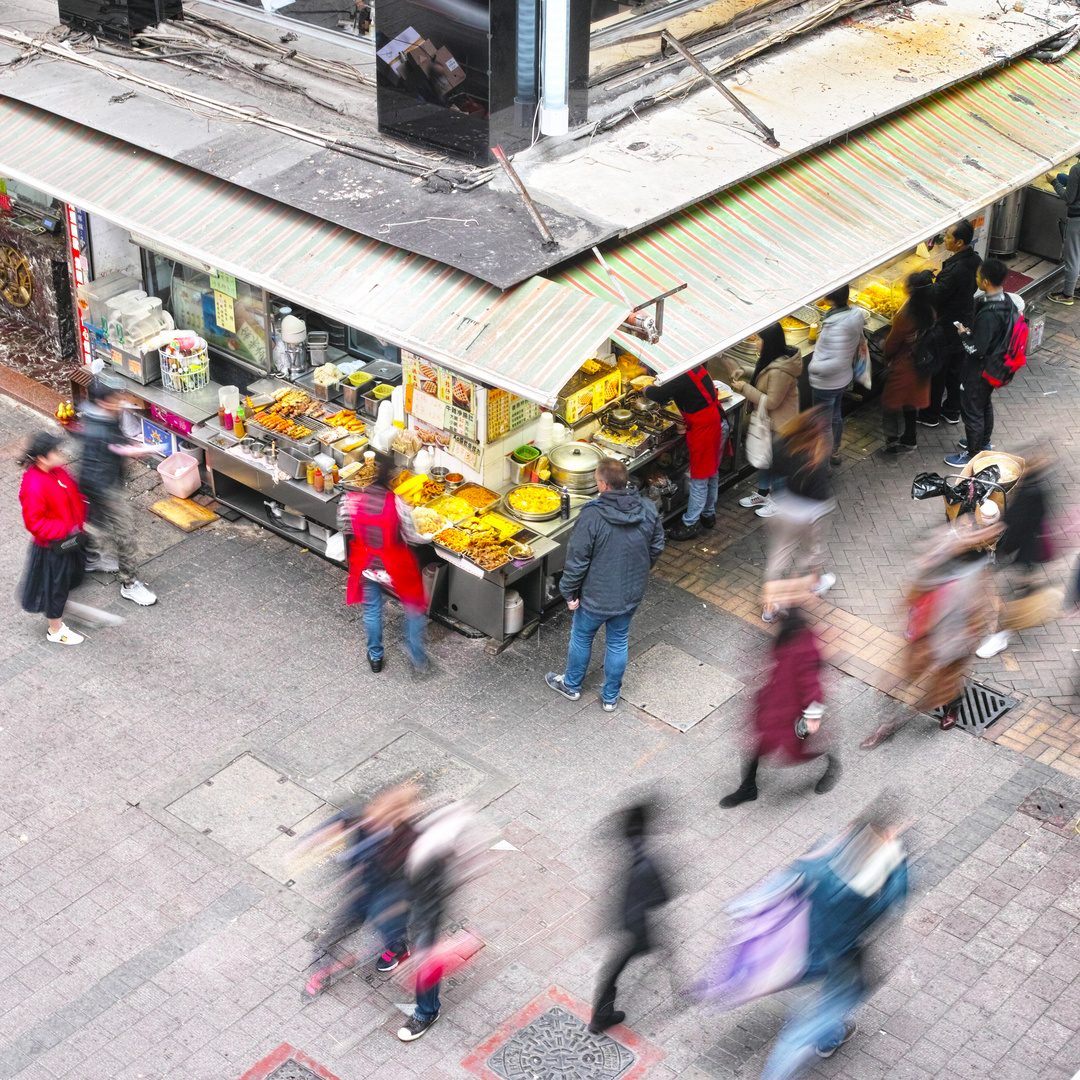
<point x="906" y="391"/>
<point x="793" y="689"/>
<point x="54" y="513"/>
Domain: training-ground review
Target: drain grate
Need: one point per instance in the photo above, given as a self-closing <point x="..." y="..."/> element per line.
<point x="979" y="708"/>
<point x="293" y="1070"/>
<point x="1051" y="807"/>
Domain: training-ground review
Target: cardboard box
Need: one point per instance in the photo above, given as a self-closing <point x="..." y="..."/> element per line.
<point x="161" y="439"/>
<point x="448" y="73"/>
<point x="392" y="53"/>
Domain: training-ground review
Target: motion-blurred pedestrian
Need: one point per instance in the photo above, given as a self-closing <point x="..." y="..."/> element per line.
<point x="379" y="557"/>
<point x="54" y="512"/>
<point x="640" y="890"/>
<point x="801" y="463"/>
<point x="772" y="391"/>
<point x="615" y="543"/>
<point x="850" y="884"/>
<point x="101" y="478"/>
<point x="832" y="367"/>
<point x="787" y="711"/>
<point x="1026" y="536"/>
<point x="906" y="351"/>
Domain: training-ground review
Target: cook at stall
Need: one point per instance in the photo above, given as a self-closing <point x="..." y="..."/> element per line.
<point x="695" y="397"/>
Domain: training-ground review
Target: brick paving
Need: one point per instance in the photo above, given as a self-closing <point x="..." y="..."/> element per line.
<point x="133" y="946"/>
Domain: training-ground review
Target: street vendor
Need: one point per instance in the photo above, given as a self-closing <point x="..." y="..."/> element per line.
<point x="695" y="396"/>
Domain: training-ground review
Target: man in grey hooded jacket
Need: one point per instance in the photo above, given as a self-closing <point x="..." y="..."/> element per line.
<point x="616" y="541"/>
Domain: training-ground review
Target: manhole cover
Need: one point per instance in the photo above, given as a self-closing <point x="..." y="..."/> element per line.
<point x="979" y="708"/>
<point x="292" y="1070"/>
<point x="1049" y="806"/>
<point x="245" y="806"/>
<point x="676" y="687"/>
<point x="412" y="757"/>
<point x="557" y="1045"/>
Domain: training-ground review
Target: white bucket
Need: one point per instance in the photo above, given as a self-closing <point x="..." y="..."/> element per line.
<point x="513" y="612"/>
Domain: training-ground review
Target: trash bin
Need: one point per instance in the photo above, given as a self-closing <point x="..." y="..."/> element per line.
<point x="180" y="475"/>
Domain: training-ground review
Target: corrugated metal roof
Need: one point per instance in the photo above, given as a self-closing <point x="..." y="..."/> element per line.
<point x="529" y="339"/>
<point x="758" y="250"/>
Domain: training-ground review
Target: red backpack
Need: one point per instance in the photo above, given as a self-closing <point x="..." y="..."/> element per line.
<point x="1014" y="357"/>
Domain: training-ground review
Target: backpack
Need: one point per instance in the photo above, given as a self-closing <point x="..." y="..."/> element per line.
<point x="1014" y="356"/>
<point x="925" y="356"/>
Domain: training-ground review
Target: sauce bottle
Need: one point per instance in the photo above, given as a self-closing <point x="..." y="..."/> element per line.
<point x="337" y="477"/>
<point x="228" y="420"/>
<point x="319" y="482"/>
<point x="239" y="429"/>
<point x="564" y="505"/>
<point x="328" y="483"/>
<point x="311" y="473"/>
<point x="221" y="416"/>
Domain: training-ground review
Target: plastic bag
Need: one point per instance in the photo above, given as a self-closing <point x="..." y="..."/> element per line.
<point x="929" y="485"/>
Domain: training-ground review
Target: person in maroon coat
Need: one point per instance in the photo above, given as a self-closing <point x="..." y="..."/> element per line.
<point x="787" y="711"/>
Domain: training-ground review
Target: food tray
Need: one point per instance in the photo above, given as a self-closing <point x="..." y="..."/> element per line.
<point x="451" y="508"/>
<point x="493" y="564"/>
<point x="488" y="520"/>
<point x="478" y="497"/>
<point x="309" y="445"/>
<point x="306" y="382"/>
<point x="446" y="547"/>
<point x="530" y="515"/>
<point x="428" y="534"/>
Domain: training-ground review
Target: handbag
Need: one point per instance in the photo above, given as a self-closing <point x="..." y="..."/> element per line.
<point x="759" y="439"/>
<point x="863" y="373"/>
<point x="71" y="542"/>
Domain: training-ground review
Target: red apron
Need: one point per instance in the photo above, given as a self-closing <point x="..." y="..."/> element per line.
<point x="703" y="430"/>
<point x="394" y="553"/>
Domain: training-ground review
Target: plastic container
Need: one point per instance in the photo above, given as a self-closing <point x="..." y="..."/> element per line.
<point x="513" y="612"/>
<point x="180" y="475"/>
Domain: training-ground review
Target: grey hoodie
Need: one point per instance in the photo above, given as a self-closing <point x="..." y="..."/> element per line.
<point x="616" y="540"/>
<point x="834" y="354"/>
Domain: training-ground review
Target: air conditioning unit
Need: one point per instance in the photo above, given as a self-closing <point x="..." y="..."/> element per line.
<point x="120" y="20"/>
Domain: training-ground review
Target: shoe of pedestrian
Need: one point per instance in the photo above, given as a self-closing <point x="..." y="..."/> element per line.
<point x="556" y="683"/>
<point x="414" y="1028"/>
<point x="962" y="443"/>
<point x="376" y="665"/>
<point x="927" y="422"/>
<point x="599" y="1024"/>
<point x="827" y="1051"/>
<point x="64" y="636"/>
<point x="824" y="583"/>
<point x="897" y="448"/>
<point x="949" y="718"/>
<point x="610" y="706"/>
<point x="994" y="644"/>
<point x="750" y="501"/>
<point x="138" y="593"/>
<point x="739" y="796"/>
<point x="1060" y="297"/>
<point x="101" y="564"/>
<point x="879" y="736"/>
<point x="390" y="960"/>
<point x="835" y="460"/>
<point x="683" y="532"/>
<point x="951" y="419"/>
<point x="958" y="461"/>
<point x="767" y="509"/>
<point x="707" y="522"/>
<point x="830" y="777"/>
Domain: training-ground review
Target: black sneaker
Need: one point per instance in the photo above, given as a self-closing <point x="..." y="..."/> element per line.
<point x="927" y="422"/>
<point x="376" y="665"/>
<point x="597" y="1025"/>
<point x="414" y="1028"/>
<point x="683" y="532"/>
<point x="849" y="1029"/>
<point x="738" y="796"/>
<point x="390" y="960"/>
<point x="950" y="419"/>
<point x="707" y="522"/>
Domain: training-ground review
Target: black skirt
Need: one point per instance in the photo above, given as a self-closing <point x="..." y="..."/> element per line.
<point x="50" y="576"/>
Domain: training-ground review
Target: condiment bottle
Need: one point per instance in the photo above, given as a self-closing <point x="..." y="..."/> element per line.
<point x="319" y="482"/>
<point x="337" y="477"/>
<point x="564" y="505"/>
<point x="328" y="483"/>
<point x="311" y="473"/>
<point x="239" y="429"/>
<point x="221" y="416"/>
<point x="228" y="420"/>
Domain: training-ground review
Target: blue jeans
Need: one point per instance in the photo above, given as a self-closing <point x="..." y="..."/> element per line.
<point x="819" y="1023"/>
<point x="702" y="501"/>
<point x="415" y="621"/>
<point x="834" y="399"/>
<point x="427" y="1002"/>
<point x="580" y="651"/>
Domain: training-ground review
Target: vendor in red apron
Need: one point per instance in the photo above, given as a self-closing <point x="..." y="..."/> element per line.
<point x="379" y="558"/>
<point x="695" y="397"/>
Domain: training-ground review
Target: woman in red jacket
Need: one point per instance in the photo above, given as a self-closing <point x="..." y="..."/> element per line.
<point x="54" y="512"/>
<point x="787" y="711"/>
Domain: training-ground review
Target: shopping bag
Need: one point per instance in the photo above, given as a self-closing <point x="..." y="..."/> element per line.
<point x="770" y="948"/>
<point x="759" y="439"/>
<point x="1037" y="609"/>
<point x="863" y="373"/>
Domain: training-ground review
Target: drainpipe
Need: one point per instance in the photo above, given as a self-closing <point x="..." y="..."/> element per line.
<point x="555" y="68"/>
<point x="525" y="95"/>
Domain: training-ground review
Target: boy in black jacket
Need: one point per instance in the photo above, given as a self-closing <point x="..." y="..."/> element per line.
<point x="985" y="344"/>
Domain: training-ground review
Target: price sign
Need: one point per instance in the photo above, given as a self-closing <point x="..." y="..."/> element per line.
<point x="428" y="409"/>
<point x="466" y="454"/>
<point x="223" y="283"/>
<point x="224" y="314"/>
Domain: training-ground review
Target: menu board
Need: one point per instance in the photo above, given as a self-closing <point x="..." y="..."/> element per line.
<point x="460" y="422"/>
<point x="507" y="412"/>
<point x="439" y="382"/>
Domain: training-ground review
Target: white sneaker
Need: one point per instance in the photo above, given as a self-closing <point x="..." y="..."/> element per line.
<point x="138" y="593"/>
<point x="767" y="509"/>
<point x="65" y="636"/>
<point x="824" y="584"/>
<point x="994" y="644"/>
<point x="753" y="500"/>
<point x="105" y="564"/>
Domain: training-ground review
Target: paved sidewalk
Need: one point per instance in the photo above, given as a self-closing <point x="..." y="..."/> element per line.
<point x="151" y="927"/>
